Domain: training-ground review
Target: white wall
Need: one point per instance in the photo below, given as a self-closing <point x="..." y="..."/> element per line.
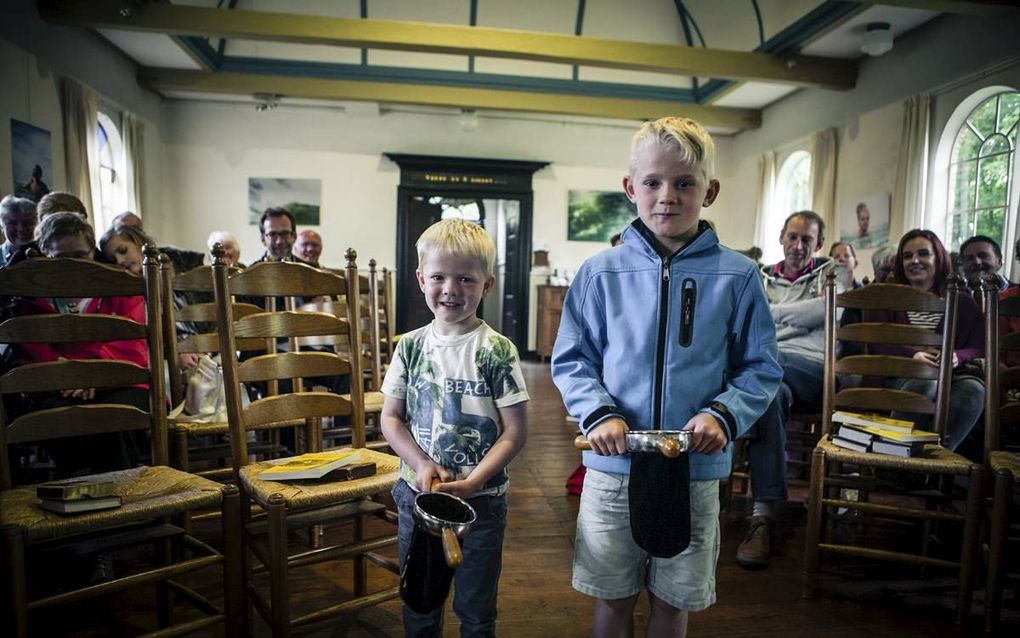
<point x="213" y="148"/>
<point x="947" y="57"/>
<point x="33" y="57"/>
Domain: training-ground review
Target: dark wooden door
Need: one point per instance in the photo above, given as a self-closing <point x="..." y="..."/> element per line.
<point x="418" y="214"/>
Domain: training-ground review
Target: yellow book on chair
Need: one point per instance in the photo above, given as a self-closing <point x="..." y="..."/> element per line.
<point x="873" y="420"/>
<point x="311" y="466"/>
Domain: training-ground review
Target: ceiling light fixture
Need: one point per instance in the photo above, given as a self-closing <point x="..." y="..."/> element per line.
<point x="468" y="120"/>
<point x="266" y="101"/>
<point x="878" y="39"/>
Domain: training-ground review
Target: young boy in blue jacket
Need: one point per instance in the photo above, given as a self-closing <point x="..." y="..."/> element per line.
<point x="669" y="331"/>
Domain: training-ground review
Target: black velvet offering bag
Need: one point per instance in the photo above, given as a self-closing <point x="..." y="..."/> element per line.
<point x="425" y="577"/>
<point x="660" y="503"/>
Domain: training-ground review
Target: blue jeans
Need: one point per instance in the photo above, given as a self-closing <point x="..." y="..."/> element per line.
<point x="966" y="403"/>
<point x="476" y="581"/>
<point x="766" y="440"/>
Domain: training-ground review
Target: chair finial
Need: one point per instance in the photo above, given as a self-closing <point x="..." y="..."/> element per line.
<point x="151" y="253"/>
<point x="352" y="258"/>
<point x="219" y="254"/>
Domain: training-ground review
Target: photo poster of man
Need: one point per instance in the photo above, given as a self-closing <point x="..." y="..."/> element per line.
<point x="864" y="221"/>
<point x="301" y="197"/>
<point x="31" y="160"/>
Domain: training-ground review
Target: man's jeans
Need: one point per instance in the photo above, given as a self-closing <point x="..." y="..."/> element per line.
<point x="766" y="440"/>
<point x="476" y="581"/>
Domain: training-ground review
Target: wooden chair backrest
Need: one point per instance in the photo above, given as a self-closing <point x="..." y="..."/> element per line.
<point x="288" y="280"/>
<point x="1002" y="364"/>
<point x="202" y="314"/>
<point x="78" y="278"/>
<point x="893" y="298"/>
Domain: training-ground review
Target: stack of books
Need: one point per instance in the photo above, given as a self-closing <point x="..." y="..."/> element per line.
<point x="74" y="496"/>
<point x="879" y="434"/>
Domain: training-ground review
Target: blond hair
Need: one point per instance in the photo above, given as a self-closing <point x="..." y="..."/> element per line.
<point x="688" y="139"/>
<point x="460" y="237"/>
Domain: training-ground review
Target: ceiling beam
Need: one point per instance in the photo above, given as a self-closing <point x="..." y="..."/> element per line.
<point x="465" y="40"/>
<point x="972" y="7"/>
<point x="164" y="80"/>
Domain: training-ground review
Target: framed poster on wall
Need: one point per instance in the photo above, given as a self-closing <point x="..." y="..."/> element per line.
<point x="301" y="197"/>
<point x="597" y="215"/>
<point x="864" y="221"/>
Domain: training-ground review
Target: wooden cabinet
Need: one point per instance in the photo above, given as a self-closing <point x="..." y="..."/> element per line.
<point x="550" y="305"/>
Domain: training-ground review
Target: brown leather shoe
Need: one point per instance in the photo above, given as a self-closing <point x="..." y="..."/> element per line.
<point x="756" y="549"/>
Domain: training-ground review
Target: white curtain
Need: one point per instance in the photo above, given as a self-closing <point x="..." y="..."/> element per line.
<point x="823" y="177"/>
<point x="766" y="192"/>
<point x="132" y="131"/>
<point x="912" y="166"/>
<point x="79" y="106"/>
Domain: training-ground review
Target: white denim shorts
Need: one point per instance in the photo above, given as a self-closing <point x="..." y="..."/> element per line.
<point x="608" y="564"/>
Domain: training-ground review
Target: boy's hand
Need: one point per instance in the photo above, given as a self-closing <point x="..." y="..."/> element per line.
<point x="464" y="489"/>
<point x="428" y="473"/>
<point x="707" y="436"/>
<point x="608" y="437"/>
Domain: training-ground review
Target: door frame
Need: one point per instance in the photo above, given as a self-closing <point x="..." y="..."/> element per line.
<point x="464" y="177"/>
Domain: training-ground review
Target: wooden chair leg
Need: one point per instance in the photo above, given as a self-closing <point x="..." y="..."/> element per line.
<point x="279" y="595"/>
<point x="1001" y="497"/>
<point x="164" y="600"/>
<point x="233" y="569"/>
<point x="360" y="562"/>
<point x="968" y="549"/>
<point x="180" y="449"/>
<point x="815" y="512"/>
<point x="16" y="585"/>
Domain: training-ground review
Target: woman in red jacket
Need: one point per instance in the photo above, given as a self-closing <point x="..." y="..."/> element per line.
<point x="68" y="235"/>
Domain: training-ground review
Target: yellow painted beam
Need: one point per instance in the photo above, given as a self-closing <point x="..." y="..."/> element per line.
<point x="398" y="93"/>
<point x="464" y="40"/>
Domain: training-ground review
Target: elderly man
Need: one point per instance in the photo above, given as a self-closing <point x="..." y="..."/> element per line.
<point x="18" y="219"/>
<point x="308" y="246"/>
<point x="981" y="254"/>
<point x="795" y="289"/>
<point x="232" y="251"/>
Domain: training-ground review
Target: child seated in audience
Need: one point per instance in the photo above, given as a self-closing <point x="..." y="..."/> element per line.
<point x="455" y="414"/>
<point x="69" y="235"/>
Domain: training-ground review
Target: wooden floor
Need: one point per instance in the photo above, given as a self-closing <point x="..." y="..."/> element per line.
<point x="536" y="599"/>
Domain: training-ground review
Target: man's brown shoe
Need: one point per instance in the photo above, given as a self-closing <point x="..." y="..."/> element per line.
<point x="756" y="549"/>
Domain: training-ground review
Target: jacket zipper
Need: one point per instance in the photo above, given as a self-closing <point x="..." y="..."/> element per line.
<point x="660" y="347"/>
<point x="688" y="298"/>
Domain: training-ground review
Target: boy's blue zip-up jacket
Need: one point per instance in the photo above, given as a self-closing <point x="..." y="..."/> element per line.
<point x="656" y="339"/>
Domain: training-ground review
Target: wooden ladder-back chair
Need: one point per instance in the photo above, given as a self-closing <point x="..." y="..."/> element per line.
<point x="154" y="497"/>
<point x="193" y="441"/>
<point x="882" y="502"/>
<point x="1002" y="410"/>
<point x="299" y="506"/>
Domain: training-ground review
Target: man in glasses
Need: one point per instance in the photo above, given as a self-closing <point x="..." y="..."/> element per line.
<point x="277" y="228"/>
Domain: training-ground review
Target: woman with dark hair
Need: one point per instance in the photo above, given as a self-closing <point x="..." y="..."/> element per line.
<point x="923" y="263"/>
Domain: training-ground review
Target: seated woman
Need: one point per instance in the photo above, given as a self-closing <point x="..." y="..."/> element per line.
<point x="844" y="253"/>
<point x="69" y="235"/>
<point x="923" y="263"/>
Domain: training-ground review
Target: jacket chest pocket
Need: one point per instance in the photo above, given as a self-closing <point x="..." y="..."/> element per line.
<point x="688" y="301"/>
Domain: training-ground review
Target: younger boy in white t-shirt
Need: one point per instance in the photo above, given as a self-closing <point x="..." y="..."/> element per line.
<point x="455" y="412"/>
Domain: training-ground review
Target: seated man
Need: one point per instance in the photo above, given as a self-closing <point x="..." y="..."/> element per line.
<point x="795" y="289"/>
<point x="981" y="254"/>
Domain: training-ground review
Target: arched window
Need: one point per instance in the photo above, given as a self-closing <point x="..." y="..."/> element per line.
<point x="793" y="193"/>
<point x="974" y="171"/>
<point x="112" y="182"/>
<point x="981" y="169"/>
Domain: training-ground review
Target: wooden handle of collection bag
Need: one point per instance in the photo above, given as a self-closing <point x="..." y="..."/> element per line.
<point x="670" y="448"/>
<point x="451" y="546"/>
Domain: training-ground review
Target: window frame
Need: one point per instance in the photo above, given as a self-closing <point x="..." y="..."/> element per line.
<point x="782" y="205"/>
<point x="939" y="217"/>
<point x="118" y="203"/>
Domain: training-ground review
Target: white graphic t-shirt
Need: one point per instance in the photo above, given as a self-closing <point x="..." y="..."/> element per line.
<point x="453" y="388"/>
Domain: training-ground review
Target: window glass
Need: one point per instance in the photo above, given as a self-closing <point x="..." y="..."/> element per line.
<point x="793" y="193"/>
<point x="981" y="169"/>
